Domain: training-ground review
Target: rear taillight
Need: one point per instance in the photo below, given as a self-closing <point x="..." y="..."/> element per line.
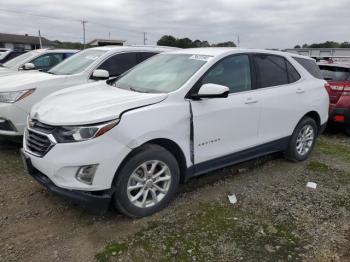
<point x="337" y="88"/>
<point x="346" y="91"/>
<point x="340" y="89"/>
<point x="339" y="118"/>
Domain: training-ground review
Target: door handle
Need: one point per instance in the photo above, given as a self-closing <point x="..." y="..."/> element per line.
<point x="250" y="100"/>
<point x="300" y="91"/>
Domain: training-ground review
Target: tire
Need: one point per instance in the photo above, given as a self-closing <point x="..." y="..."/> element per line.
<point x="136" y="175"/>
<point x="300" y="150"/>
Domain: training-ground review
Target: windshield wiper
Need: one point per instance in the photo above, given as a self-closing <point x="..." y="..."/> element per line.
<point x="139" y="91"/>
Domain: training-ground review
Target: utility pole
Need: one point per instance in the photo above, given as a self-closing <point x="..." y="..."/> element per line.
<point x="144" y="38"/>
<point x="84" y="34"/>
<point x="238" y="41"/>
<point x="109" y="35"/>
<point x="40" y="43"/>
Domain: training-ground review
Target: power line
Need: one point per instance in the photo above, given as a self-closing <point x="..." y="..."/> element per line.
<point x="39" y="15"/>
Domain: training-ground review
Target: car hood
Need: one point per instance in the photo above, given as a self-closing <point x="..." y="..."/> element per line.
<point x="20" y="80"/>
<point x="90" y="104"/>
<point x="7" y="71"/>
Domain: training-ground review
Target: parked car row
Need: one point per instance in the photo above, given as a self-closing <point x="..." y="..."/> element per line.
<point x="19" y="94"/>
<point x="8" y="54"/>
<point x="40" y="59"/>
<point x="124" y="126"/>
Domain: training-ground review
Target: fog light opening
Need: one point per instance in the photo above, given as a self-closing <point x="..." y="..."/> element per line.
<point x="85" y="174"/>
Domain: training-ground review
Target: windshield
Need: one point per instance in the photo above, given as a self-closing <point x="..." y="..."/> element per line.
<point x="77" y="63"/>
<point x="16" y="62"/>
<point x="334" y="73"/>
<point x="161" y="74"/>
<point x="3" y="53"/>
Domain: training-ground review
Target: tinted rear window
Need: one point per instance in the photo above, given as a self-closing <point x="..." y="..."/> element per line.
<point x="310" y="66"/>
<point x="274" y="70"/>
<point x="335" y="73"/>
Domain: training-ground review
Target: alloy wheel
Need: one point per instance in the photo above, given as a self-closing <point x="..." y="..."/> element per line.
<point x="149" y="184"/>
<point x="305" y="140"/>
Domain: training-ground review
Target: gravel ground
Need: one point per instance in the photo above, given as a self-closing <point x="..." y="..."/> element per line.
<point x="276" y="218"/>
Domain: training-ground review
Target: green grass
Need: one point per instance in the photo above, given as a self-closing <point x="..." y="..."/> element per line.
<point x="215" y="232"/>
<point x="334" y="150"/>
<point x="316" y="166"/>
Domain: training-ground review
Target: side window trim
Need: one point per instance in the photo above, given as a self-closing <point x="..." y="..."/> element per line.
<point x="195" y="88"/>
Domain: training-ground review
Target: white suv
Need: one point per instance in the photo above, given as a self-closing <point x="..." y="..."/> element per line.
<point x="130" y="142"/>
<point x="18" y="93"/>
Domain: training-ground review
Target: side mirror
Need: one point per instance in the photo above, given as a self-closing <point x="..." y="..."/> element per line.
<point x="100" y="74"/>
<point x="28" y="66"/>
<point x="212" y="91"/>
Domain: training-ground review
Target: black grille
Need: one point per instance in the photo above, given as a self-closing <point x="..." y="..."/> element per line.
<point x="6" y="125"/>
<point x="42" y="127"/>
<point x="38" y="144"/>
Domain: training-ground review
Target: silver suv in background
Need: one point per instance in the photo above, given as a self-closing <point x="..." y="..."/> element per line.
<point x="18" y="93"/>
<point x="40" y="59"/>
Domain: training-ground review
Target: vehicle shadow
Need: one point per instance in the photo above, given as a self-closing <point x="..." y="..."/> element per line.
<point x="10" y="143"/>
<point x="335" y="129"/>
<point x="219" y="175"/>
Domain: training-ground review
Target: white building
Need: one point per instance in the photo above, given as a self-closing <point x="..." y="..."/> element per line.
<point x="338" y="54"/>
<point x="23" y="42"/>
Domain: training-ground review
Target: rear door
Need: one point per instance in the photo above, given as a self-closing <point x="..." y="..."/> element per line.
<point x="226" y="125"/>
<point x="280" y="91"/>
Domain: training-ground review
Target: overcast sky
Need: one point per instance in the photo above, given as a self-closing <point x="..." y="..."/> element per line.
<point x="260" y="24"/>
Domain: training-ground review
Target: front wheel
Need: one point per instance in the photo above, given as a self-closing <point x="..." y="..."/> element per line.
<point x="147" y="182"/>
<point x="302" y="141"/>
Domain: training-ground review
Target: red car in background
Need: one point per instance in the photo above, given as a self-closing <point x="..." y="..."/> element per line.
<point x="337" y="75"/>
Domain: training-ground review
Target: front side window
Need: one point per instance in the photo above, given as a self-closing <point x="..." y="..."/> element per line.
<point x="77" y="63"/>
<point x="272" y="70"/>
<point x="162" y="73"/>
<point x="120" y="63"/>
<point x="142" y="56"/>
<point x="42" y="62"/>
<point x="233" y="72"/>
<point x="47" y="61"/>
<point x="335" y="73"/>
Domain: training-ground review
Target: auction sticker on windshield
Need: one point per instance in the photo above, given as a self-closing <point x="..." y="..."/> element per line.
<point x="201" y="57"/>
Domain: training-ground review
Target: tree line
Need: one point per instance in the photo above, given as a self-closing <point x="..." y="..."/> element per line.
<point x="327" y="44"/>
<point x="169" y="40"/>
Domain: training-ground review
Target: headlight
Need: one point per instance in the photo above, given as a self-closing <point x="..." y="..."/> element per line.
<point x="70" y="134"/>
<point x="12" y="97"/>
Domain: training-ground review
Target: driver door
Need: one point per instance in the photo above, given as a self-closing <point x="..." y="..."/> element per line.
<point x="223" y="126"/>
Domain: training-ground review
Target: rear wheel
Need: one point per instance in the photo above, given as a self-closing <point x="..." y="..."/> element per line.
<point x="302" y="141"/>
<point x="147" y="182"/>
